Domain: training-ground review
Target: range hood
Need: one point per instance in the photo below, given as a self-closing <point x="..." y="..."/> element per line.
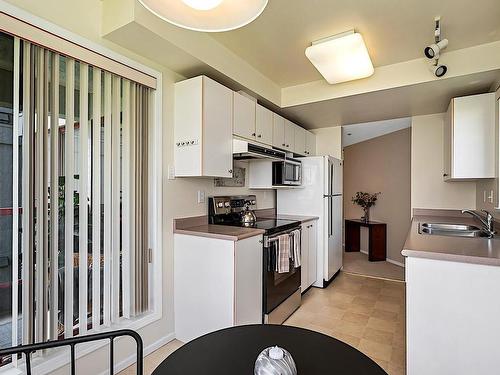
<point x="243" y="150"/>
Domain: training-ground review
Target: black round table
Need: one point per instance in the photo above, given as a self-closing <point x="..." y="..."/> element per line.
<point x="234" y="351"/>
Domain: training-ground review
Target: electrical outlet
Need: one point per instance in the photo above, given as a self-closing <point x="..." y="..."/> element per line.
<point x="491" y="197"/>
<point x="171" y="172"/>
<point x="201" y="196"/>
<point x="484" y="196"/>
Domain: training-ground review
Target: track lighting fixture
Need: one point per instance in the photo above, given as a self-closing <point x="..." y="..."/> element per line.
<point x="434" y="50"/>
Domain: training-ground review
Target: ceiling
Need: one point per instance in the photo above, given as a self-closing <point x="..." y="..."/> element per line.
<point x="414" y="100"/>
<point x="352" y="134"/>
<point x="394" y="31"/>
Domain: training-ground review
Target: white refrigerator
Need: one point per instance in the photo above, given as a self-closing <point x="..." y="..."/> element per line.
<point x="321" y="196"/>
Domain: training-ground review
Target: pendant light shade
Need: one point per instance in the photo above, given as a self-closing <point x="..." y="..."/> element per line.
<point x="207" y="15"/>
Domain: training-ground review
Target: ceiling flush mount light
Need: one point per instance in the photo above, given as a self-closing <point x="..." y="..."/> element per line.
<point x="207" y="15"/>
<point x="341" y="58"/>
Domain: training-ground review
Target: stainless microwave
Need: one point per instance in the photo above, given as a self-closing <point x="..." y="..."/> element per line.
<point x="287" y="173"/>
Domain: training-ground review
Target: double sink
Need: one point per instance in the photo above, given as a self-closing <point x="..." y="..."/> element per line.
<point x="454" y="230"/>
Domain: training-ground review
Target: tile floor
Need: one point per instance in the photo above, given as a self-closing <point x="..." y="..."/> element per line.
<point x="357" y="262"/>
<point x="364" y="312"/>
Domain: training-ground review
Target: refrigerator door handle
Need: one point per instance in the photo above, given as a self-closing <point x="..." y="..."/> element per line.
<point x="331" y="216"/>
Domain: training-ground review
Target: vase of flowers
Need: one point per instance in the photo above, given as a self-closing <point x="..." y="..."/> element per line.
<point x="365" y="201"/>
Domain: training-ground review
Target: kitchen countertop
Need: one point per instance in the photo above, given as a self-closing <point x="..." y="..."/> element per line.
<point x="198" y="226"/>
<point x="222" y="232"/>
<point x="479" y="250"/>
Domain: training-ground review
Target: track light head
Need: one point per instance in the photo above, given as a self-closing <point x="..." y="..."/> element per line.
<point x="433" y="51"/>
<point x="438" y="70"/>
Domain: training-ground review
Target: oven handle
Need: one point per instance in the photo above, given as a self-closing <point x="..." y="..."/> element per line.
<point x="274" y="237"/>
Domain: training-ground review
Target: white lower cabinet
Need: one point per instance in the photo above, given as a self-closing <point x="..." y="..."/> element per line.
<point x="217" y="284"/>
<point x="309" y="253"/>
<point x="452" y="323"/>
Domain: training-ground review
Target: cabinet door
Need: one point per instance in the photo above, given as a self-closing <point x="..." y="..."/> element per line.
<point x="217" y="129"/>
<point x="188" y="121"/>
<point x="473" y="134"/>
<point x="278" y="131"/>
<point x="289" y="136"/>
<point x="304" y="258"/>
<point x="248" y="281"/>
<point x="310" y="144"/>
<point x="447" y="142"/>
<point x="313" y="253"/>
<point x="300" y="141"/>
<point x="264" y="125"/>
<point x="244" y="116"/>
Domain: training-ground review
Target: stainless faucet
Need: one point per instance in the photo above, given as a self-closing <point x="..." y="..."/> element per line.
<point x="487" y="222"/>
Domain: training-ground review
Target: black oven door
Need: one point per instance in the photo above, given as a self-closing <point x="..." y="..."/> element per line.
<point x="277" y="286"/>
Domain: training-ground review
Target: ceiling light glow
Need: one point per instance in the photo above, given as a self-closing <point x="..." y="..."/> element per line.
<point x="341" y="58"/>
<point x="202" y="4"/>
<point x="207" y="15"/>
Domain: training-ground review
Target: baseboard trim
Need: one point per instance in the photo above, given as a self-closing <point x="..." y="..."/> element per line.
<point x="130" y="360"/>
<point x="386" y="259"/>
<point x="395" y="262"/>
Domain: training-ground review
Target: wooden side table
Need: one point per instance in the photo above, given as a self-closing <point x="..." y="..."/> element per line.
<point x="377" y="238"/>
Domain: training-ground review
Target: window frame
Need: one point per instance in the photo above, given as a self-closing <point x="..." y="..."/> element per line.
<point x="53" y="361"/>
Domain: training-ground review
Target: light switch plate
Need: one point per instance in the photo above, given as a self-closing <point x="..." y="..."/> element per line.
<point x="171" y="172"/>
<point x="201" y="196"/>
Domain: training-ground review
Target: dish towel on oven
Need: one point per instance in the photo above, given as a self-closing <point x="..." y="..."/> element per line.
<point x="283" y="253"/>
<point x="296" y="248"/>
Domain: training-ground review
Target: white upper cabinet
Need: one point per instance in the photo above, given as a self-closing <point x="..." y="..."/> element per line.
<point x="289" y="136"/>
<point x="300" y="141"/>
<point x="203" y="128"/>
<point x="279" y="131"/>
<point x="469" y="138"/>
<point x="310" y="144"/>
<point x="264" y="125"/>
<point x="244" y="117"/>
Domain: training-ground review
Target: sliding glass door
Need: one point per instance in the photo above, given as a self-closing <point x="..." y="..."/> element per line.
<point x="8" y="254"/>
<point x="74" y="196"/>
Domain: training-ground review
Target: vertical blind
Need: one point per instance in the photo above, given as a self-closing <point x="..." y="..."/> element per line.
<point x="83" y="174"/>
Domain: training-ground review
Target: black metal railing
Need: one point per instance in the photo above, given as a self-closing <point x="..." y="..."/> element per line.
<point x="27" y="350"/>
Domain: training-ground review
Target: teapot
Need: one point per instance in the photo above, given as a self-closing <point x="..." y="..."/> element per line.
<point x="248" y="217"/>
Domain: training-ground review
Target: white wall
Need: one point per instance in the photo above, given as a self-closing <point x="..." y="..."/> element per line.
<point x="179" y="196"/>
<point x="428" y="190"/>
<point x="329" y="141"/>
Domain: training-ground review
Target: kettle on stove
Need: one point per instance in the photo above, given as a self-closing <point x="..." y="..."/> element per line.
<point x="248" y="217"/>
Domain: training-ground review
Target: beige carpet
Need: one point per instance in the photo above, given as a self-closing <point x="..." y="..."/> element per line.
<point x="357" y="262"/>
